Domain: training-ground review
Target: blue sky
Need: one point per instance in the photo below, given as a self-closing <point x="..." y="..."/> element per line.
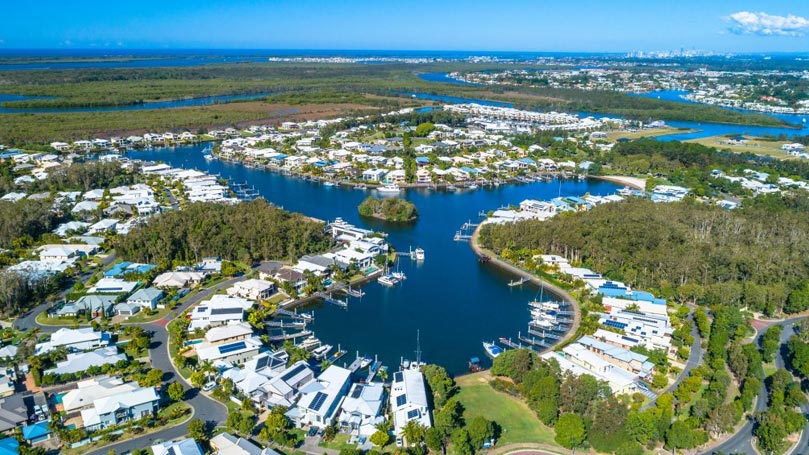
<point x="520" y="25"/>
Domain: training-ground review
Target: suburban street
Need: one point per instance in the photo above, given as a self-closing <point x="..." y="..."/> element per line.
<point x="742" y="441"/>
<point x="209" y="410"/>
<point x="694" y="358"/>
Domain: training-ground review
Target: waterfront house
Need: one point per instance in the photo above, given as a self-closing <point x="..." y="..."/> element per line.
<point x="321" y="398"/>
<point x="229" y="333"/>
<point x="82" y="339"/>
<point x="623" y="358"/>
<point x="295" y="278"/>
<point x="361" y="410"/>
<point x="285" y="388"/>
<point x="121" y="408"/>
<point x="218" y="310"/>
<point x="620" y="380"/>
<point x="252" y="289"/>
<point x="408" y="401"/>
<point x="234" y="352"/>
<point x="185" y="446"/>
<point x="77" y="362"/>
<point x="256" y="372"/>
<point x="374" y="175"/>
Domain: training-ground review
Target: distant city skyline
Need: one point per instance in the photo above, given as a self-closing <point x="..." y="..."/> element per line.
<point x="521" y="25"/>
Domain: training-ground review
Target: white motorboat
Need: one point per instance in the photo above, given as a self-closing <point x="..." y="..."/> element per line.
<point x="419" y="254"/>
<point x="492" y="350"/>
<point x="392" y="188"/>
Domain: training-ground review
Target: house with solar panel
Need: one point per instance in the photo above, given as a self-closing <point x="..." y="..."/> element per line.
<point x="251" y="378"/>
<point x="320" y="399"/>
<point x="217" y="311"/>
<point x="361" y="410"/>
<point x="236" y="352"/>
<point x="408" y="401"/>
<point x="284" y="389"/>
<point x="82" y="339"/>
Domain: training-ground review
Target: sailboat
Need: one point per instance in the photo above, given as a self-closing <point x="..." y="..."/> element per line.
<point x="416" y="364"/>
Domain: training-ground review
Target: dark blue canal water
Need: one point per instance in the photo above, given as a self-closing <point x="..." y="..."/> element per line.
<point x="453" y="300"/>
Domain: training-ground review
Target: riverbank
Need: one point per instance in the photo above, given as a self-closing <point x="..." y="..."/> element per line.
<point x="632" y="182"/>
<point x="511" y="268"/>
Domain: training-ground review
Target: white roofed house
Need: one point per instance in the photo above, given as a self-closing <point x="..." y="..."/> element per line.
<point x="321" y="398"/>
<point x="361" y="410"/>
<point x="74" y="340"/>
<point x="112" y="286"/>
<point x="218" y="310"/>
<point x="90" y="390"/>
<point x="178" y="279"/>
<point x="185" y="446"/>
<point x="77" y="362"/>
<point x="408" y="401"/>
<point x="227" y="444"/>
<point x="120" y="408"/>
<point x="284" y="389"/>
<point x="252" y="289"/>
<point x="231" y="352"/>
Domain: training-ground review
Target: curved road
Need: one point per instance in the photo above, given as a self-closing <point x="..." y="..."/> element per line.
<point x="209" y="410"/>
<point x="742" y="440"/>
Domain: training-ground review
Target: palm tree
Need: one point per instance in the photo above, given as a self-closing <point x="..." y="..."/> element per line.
<point x="413" y="433"/>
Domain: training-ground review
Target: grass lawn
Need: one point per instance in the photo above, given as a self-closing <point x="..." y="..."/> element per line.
<point x="141" y="316"/>
<point x="43" y="319"/>
<point x="339" y="442"/>
<point x="519" y="423"/>
<point x="752" y="145"/>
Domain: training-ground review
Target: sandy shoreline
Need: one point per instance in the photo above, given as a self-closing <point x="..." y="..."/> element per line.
<point x="632" y="182"/>
<point x="493" y="259"/>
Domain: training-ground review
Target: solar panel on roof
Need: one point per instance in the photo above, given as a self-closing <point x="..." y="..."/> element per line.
<point x="232" y="347"/>
<point x="616" y="324"/>
<point x="357" y="392"/>
<point x="202" y="309"/>
<point x="413" y="413"/>
<point x="226" y="311"/>
<point x="293" y="372"/>
<point x="320" y="398"/>
<point x="401" y="400"/>
<point x="398" y="376"/>
<point x="262" y="362"/>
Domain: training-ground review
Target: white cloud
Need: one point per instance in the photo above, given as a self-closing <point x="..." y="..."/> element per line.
<point x="751" y="23"/>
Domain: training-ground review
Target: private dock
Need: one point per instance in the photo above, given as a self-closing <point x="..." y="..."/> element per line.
<point x="286" y="324"/>
<point x="336" y="355"/>
<point x="329" y="299"/>
<point x="372" y="370"/>
<point x="290" y="336"/>
<point x="294" y="315"/>
<point x="519" y="282"/>
<point x="507" y="342"/>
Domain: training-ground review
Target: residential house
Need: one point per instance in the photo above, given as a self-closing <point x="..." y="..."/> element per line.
<point x="252" y="289"/>
<point x="113" y="286"/>
<point x="37" y="432"/>
<point x="178" y="279"/>
<point x="321" y="398"/>
<point x="408" y="401"/>
<point x="80" y="361"/>
<point x="145" y="298"/>
<point x="218" y="310"/>
<point x="228" y="333"/>
<point x="361" y="410"/>
<point x="227" y="444"/>
<point x="94" y="305"/>
<point x="82" y="339"/>
<point x="13" y="412"/>
<point x="184" y="446"/>
<point x="87" y="391"/>
<point x="232" y="352"/>
<point x="121" y="408"/>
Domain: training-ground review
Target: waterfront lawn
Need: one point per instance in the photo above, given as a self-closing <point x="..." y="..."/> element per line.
<point x="518" y="422"/>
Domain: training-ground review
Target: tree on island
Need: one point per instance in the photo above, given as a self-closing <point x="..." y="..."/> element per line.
<point x="388" y="209"/>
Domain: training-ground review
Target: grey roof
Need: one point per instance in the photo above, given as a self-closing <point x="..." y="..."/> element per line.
<point x="13" y="412"/>
<point x="146" y="294"/>
<point x="320" y="260"/>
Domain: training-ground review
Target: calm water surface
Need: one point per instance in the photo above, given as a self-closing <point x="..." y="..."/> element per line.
<point x="453" y="300"/>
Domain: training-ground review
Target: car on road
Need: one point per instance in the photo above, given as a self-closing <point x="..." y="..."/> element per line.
<point x="209" y="386"/>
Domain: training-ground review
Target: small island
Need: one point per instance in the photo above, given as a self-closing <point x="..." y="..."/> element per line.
<point x="388" y="209"/>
